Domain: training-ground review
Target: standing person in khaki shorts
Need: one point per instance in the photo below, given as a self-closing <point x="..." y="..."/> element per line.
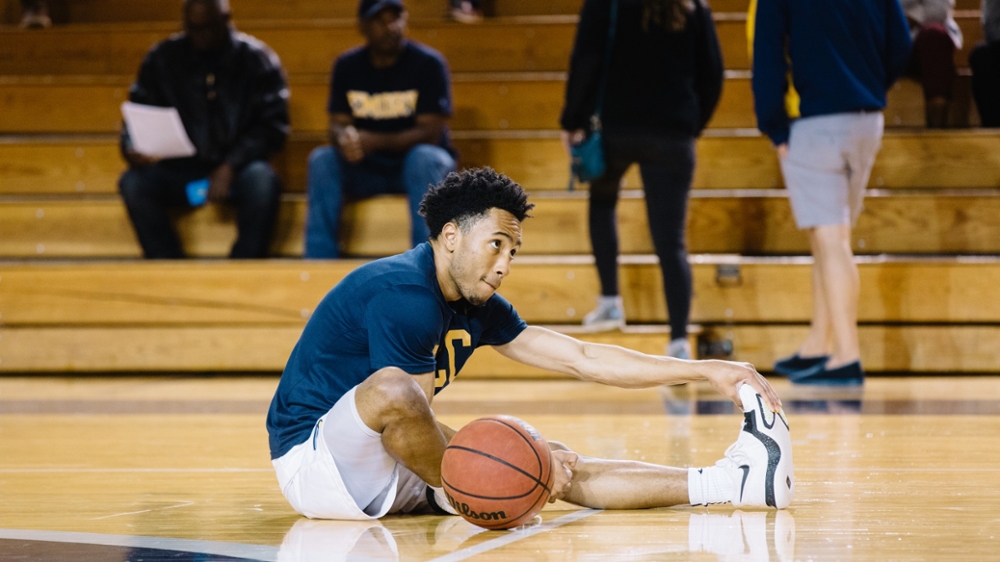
<point x="843" y="56"/>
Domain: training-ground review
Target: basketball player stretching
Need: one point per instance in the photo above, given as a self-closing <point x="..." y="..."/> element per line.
<point x="352" y="432"/>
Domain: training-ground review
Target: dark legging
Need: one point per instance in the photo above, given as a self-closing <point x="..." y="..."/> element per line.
<point x="666" y="164"/>
<point x="933" y="61"/>
<point x="985" y="63"/>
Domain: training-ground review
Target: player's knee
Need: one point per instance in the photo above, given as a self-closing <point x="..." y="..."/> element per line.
<point x="396" y="391"/>
<point x="259" y="184"/>
<point x="131" y="186"/>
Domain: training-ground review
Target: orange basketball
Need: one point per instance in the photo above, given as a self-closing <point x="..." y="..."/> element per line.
<point x="497" y="472"/>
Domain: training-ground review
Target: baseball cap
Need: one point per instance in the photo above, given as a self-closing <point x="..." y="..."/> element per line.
<point x="368" y="8"/>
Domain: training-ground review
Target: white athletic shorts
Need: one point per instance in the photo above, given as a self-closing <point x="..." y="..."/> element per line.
<point x="312" y="483"/>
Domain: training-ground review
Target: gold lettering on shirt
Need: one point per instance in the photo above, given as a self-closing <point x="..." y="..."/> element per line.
<point x="383" y="105"/>
<point x="443" y="377"/>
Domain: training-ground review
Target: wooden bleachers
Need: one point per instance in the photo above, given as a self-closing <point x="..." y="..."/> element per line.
<point x="508" y="101"/>
<point x="546" y="289"/>
<point x="92" y="11"/>
<point x="61" y="200"/>
<point x="933" y="193"/>
<point x="111" y="316"/>
<point x="958" y="159"/>
<point x="308" y="47"/>
<point x="761" y="223"/>
<point x="884" y="348"/>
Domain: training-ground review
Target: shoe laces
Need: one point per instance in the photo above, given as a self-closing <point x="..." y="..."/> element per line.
<point x="734" y="457"/>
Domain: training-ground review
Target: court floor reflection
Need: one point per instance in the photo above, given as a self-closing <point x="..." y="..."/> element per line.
<point x="748" y="536"/>
<point x="311" y="540"/>
<point x="755" y="536"/>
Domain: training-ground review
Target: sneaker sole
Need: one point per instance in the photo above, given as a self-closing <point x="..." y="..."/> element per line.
<point x="819" y="380"/>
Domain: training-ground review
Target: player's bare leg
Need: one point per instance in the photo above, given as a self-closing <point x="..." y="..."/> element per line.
<point x="756" y="471"/>
<point x="394" y="403"/>
<point x="616" y="484"/>
<point x="831" y="247"/>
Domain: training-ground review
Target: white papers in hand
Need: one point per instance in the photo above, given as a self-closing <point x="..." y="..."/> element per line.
<point x="156" y="132"/>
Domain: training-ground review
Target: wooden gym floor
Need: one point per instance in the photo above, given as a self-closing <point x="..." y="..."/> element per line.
<point x="176" y="468"/>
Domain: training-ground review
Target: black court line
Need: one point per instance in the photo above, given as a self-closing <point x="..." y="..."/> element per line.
<point x="52" y="546"/>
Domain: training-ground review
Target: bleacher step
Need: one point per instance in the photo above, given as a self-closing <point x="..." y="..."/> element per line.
<point x="546" y="289"/>
<point x="756" y="222"/>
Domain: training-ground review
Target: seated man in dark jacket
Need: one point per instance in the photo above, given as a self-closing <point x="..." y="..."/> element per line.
<point x="232" y="97"/>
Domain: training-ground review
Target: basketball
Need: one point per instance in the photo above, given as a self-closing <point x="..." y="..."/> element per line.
<point x="497" y="472"/>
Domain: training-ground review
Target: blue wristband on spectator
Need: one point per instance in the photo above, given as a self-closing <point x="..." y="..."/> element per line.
<point x="197" y="192"/>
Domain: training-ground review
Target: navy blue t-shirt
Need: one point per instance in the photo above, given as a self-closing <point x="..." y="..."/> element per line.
<point x="388" y="100"/>
<point x="387" y="313"/>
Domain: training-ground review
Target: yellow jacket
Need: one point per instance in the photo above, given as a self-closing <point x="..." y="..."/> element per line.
<point x="791" y="97"/>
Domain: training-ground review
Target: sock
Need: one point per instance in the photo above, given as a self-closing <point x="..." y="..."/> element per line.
<point x="442" y="500"/>
<point x="709" y="485"/>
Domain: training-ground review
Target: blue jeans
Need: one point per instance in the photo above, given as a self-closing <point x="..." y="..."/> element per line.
<point x="332" y="179"/>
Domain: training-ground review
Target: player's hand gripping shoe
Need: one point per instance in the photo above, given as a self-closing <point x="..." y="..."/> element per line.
<point x="760" y="461"/>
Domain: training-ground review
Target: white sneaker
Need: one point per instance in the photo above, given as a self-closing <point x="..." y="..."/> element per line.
<point x="679" y="348"/>
<point x="760" y="461"/>
<point x="609" y="315"/>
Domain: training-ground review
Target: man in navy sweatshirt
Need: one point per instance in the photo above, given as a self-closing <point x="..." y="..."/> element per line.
<point x="843" y="55"/>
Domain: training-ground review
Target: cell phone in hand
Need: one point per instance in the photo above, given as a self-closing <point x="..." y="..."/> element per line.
<point x="197" y="192"/>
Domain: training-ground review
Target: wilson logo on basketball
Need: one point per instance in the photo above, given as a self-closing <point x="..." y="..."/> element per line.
<point x="464" y="510"/>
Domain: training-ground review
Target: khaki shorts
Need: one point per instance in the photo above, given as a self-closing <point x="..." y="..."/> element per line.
<point x="830" y="159"/>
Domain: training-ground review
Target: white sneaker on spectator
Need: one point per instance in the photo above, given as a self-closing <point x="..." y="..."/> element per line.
<point x="464" y="11"/>
<point x="609" y="315"/>
<point x="35" y="20"/>
<point x="760" y="461"/>
<point x="679" y="348"/>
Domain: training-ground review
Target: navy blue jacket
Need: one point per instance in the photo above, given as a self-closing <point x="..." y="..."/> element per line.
<point x="844" y="56"/>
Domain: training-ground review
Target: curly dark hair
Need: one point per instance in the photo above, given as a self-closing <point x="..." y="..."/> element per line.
<point x="221" y="5"/>
<point x="667" y="14"/>
<point x="466" y="196"/>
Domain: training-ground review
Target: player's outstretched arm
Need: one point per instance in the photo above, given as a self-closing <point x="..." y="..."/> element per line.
<point x="617" y="366"/>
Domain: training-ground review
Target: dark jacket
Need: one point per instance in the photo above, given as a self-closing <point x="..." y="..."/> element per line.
<point x="660" y="80"/>
<point x="844" y="56"/>
<point x="234" y="104"/>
